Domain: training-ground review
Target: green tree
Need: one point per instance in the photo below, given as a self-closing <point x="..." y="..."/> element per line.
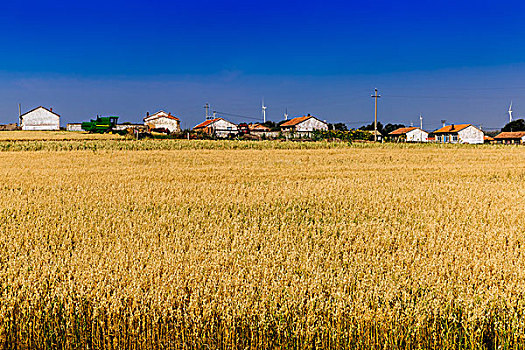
<point x="515" y="125"/>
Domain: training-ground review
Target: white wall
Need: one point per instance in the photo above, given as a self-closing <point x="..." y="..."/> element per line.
<point x="417" y="135"/>
<point x="470" y="134"/>
<point x="224" y="128"/>
<point x="311" y="124"/>
<point x="40" y="119"/>
<point x="163" y="122"/>
<point x="74" y="127"/>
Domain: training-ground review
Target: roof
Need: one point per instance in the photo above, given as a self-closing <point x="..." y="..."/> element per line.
<point x="402" y="131"/>
<point x="297" y="120"/>
<point x="488" y="138"/>
<point x="258" y="127"/>
<point x="160" y="114"/>
<point x="510" y="135"/>
<point x="34" y="109"/>
<point x="209" y="122"/>
<point x="452" y="128"/>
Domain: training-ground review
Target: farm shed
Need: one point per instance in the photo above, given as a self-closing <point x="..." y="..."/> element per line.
<point x="303" y="126"/>
<point x="162" y="120"/>
<point x="40" y="118"/>
<point x="74" y="127"/>
<point x="511" y="137"/>
<point x="410" y="134"/>
<point x="219" y="127"/>
<point x="460" y="133"/>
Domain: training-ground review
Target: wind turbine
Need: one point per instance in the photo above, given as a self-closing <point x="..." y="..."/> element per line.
<point x="286" y="114"/>
<point x="421" y="121"/>
<point x="510" y="112"/>
<point x="263" y="111"/>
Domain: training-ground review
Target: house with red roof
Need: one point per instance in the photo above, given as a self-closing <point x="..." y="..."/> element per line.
<point x="459" y="133"/>
<point x="303" y="126"/>
<point x="218" y="127"/>
<point x="410" y="134"/>
<point x="511" y="137"/>
<point x="162" y="120"/>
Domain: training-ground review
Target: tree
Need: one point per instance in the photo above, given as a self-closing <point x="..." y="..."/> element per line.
<point x="515" y="125"/>
<point x="391" y="127"/>
<point x="371" y="127"/>
<point x="337" y="126"/>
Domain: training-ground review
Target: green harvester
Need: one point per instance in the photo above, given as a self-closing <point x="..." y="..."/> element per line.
<point x="100" y="125"/>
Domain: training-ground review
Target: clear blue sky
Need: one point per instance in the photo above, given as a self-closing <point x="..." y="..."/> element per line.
<point x="462" y="62"/>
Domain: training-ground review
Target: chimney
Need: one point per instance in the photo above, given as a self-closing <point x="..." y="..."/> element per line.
<point x="51" y="109"/>
<point x="147" y="114"/>
<point x="451" y="127"/>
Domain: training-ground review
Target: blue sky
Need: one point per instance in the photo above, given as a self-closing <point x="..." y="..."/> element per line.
<point x="462" y="62"/>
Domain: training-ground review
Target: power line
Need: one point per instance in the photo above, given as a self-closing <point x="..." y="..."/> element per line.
<point x="236" y="115"/>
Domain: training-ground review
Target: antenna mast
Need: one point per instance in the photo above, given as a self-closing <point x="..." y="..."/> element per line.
<point x="421" y="121"/>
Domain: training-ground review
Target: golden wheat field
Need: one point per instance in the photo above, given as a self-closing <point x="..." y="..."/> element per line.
<point x="370" y="247"/>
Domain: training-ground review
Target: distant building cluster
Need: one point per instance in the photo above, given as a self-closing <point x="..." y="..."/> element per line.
<point x="304" y="126"/>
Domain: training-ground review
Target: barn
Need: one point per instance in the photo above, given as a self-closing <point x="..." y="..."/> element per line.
<point x="459" y="133"/>
<point x="410" y="134"/>
<point x="162" y="120"/>
<point x="40" y="118"/>
<point x="218" y="127"/>
<point x="303" y="126"/>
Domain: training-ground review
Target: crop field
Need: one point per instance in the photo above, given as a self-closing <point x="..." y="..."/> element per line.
<point x="25" y="135"/>
<point x="352" y="247"/>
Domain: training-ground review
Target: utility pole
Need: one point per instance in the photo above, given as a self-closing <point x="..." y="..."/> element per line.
<point x="375" y="96"/>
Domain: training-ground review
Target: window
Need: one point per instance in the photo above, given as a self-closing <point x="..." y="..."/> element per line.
<point x="454" y="138"/>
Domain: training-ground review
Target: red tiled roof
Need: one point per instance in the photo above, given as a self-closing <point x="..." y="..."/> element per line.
<point x="488" y="138"/>
<point x="452" y="128"/>
<point x="258" y="127"/>
<point x="510" y="135"/>
<point x="296" y="121"/>
<point x="162" y="115"/>
<point x="206" y="123"/>
<point x="402" y="131"/>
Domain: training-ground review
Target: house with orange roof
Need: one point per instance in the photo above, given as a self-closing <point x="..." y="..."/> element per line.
<point x="303" y="126"/>
<point x="459" y="133"/>
<point x="410" y="134"/>
<point x="218" y="127"/>
<point x="511" y="137"/>
<point x="162" y="120"/>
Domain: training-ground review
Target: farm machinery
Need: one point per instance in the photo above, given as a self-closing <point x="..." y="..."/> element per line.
<point x="100" y="125"/>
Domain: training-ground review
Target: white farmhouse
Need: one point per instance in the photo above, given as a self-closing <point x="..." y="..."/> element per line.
<point x="410" y="134"/>
<point x="162" y="120"/>
<point x="460" y="133"/>
<point x="40" y="118"/>
<point x="218" y="126"/>
<point x="303" y="125"/>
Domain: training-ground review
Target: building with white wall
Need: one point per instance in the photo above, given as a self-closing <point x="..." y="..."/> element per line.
<point x="40" y="118"/>
<point x="218" y="127"/>
<point x="410" y="134"/>
<point x="460" y="133"/>
<point x="303" y="126"/>
<point x="162" y="120"/>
